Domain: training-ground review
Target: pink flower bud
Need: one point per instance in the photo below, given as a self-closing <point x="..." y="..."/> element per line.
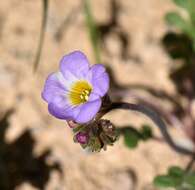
<point x="82" y="137"/>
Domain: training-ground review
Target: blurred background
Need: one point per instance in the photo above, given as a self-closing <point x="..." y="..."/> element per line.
<point x="134" y="41"/>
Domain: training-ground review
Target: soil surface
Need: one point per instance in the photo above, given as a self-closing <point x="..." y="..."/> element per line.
<point x="38" y="151"/>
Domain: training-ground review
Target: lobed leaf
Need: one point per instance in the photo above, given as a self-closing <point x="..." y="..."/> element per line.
<point x="176" y="171"/>
<point x="131" y="139"/>
<point x="167" y="181"/>
<point x="146" y="132"/>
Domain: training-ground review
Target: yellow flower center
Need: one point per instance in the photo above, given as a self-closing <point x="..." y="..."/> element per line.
<point x="79" y="92"/>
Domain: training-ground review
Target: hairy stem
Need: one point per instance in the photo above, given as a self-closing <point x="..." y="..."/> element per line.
<point x="155" y="118"/>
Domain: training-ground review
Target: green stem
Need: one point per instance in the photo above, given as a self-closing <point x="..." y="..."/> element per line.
<point x="92" y="29"/>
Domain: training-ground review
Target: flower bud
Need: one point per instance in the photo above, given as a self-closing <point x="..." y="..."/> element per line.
<point x="82" y="137"/>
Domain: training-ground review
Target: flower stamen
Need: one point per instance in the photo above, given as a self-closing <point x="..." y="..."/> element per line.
<point x="80" y="92"/>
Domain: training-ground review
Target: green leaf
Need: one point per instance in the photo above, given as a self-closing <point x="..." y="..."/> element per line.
<point x="146" y="132"/>
<point x="190" y="179"/>
<point x="189" y="5"/>
<point x="175" y="19"/>
<point x="131" y="139"/>
<point x="167" y="181"/>
<point x="181" y="3"/>
<point x="185" y="26"/>
<point x="175" y="171"/>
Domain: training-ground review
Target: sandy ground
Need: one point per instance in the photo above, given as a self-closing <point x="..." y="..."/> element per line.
<point x="142" y="23"/>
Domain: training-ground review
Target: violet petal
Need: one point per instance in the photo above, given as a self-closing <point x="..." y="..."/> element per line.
<point x="100" y="79"/>
<point x="61" y="109"/>
<point x="52" y="88"/>
<point x="76" y="63"/>
<point x="88" y="111"/>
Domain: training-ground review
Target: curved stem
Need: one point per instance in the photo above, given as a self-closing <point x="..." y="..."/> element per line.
<point x="42" y="33"/>
<point x="190" y="164"/>
<point x="155" y="118"/>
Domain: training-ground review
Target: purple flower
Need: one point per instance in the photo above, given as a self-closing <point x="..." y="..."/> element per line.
<point x="75" y="91"/>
